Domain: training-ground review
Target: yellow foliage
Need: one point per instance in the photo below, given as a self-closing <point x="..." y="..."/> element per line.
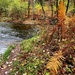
<point x="55" y="63"/>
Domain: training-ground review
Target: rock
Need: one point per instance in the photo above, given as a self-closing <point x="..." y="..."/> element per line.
<point x="7" y="63"/>
<point x="6" y="72"/>
<point x="3" y="66"/>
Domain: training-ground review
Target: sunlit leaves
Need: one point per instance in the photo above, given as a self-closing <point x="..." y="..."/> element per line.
<point x="55" y="63"/>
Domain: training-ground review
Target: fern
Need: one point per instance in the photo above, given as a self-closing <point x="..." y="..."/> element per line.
<point x="55" y="63"/>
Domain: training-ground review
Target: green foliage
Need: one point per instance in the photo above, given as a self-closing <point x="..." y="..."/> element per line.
<point x="68" y="69"/>
<point x="18" y="8"/>
<point x="32" y="58"/>
<point x="33" y="65"/>
<point x="13" y="7"/>
<point x="38" y="6"/>
<point x="47" y="73"/>
<point x="4" y="4"/>
<point x="27" y="45"/>
<point x="17" y="68"/>
<point x="7" y="53"/>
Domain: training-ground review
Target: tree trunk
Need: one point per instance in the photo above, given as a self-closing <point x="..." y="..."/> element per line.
<point x="52" y="10"/>
<point x="51" y="4"/>
<point x="67" y="6"/>
<point x="57" y="8"/>
<point x="28" y="8"/>
<point x="74" y="3"/>
<point x="33" y="8"/>
<point x="41" y="3"/>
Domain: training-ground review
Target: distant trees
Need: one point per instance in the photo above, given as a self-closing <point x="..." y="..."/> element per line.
<point x="12" y="8"/>
<point x="4" y="6"/>
<point x="20" y="7"/>
<point x="41" y="3"/>
<point x="74" y="3"/>
<point x="33" y="6"/>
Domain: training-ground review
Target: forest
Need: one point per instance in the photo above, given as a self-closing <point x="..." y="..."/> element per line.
<point x="37" y="37"/>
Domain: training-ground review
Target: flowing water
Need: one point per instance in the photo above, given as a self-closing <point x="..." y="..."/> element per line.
<point x="12" y="34"/>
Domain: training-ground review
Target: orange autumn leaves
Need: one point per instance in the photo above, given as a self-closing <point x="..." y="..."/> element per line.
<point x="55" y="61"/>
<point x="61" y="18"/>
<point x="61" y="11"/>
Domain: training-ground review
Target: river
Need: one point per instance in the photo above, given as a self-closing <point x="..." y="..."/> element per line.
<point x="14" y="33"/>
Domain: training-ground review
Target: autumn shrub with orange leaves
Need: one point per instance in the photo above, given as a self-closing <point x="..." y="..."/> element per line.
<point x="55" y="63"/>
<point x="61" y="20"/>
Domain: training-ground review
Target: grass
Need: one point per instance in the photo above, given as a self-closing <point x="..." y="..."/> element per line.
<point x="4" y="57"/>
<point x="31" y="60"/>
<point x="7" y="52"/>
<point x="27" y="45"/>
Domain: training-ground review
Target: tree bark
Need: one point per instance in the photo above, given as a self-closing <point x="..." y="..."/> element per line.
<point x="67" y="6"/>
<point x="74" y="3"/>
<point x="57" y="8"/>
<point x="41" y="3"/>
<point x="52" y="10"/>
<point x="28" y="8"/>
<point x="33" y="8"/>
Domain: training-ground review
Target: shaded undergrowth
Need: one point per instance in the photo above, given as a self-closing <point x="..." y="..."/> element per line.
<point x="45" y="55"/>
